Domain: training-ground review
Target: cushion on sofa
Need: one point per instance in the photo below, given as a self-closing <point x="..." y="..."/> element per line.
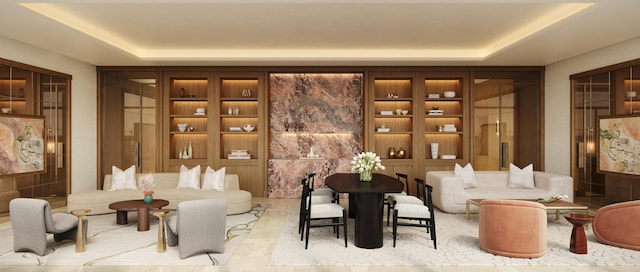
<point x="189" y="178"/>
<point x="213" y="180"/>
<point x="123" y="180"/>
<point x="521" y="178"/>
<point x="467" y="174"/>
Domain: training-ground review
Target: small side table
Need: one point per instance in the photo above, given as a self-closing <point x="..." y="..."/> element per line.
<point x="162" y="239"/>
<point x="578" y="238"/>
<point x="80" y="242"/>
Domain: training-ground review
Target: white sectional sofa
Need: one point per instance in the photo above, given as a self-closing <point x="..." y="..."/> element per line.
<point x="450" y="195"/>
<point x="238" y="201"/>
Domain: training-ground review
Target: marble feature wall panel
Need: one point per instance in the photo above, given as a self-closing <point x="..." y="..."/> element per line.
<point x="323" y="112"/>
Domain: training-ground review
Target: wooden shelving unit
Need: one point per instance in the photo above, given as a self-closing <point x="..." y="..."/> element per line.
<point x="185" y="93"/>
<point x="450" y="143"/>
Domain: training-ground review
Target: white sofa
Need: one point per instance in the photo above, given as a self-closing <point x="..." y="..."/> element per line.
<point x="238" y="201"/>
<point x="450" y="195"/>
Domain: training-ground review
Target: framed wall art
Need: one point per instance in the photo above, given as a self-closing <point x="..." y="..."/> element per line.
<point x="22" y="145"/>
<point x="619" y="144"/>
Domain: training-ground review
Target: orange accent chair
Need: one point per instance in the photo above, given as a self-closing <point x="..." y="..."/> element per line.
<point x="513" y="228"/>
<point x="617" y="224"/>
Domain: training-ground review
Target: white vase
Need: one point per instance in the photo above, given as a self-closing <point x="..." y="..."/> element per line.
<point x="190" y="151"/>
<point x="434" y="150"/>
<point x="230" y="111"/>
<point x="180" y="154"/>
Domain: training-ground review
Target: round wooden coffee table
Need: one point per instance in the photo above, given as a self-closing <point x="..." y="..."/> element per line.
<point x="122" y="207"/>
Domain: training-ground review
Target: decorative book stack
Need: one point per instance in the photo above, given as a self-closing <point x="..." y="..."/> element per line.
<point x="449" y="128"/>
<point x="436" y="112"/>
<point x="239" y="155"/>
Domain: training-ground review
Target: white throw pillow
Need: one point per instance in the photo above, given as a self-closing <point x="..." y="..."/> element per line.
<point x="521" y="178"/>
<point x="467" y="174"/>
<point x="189" y="178"/>
<point x="213" y="180"/>
<point x="123" y="180"/>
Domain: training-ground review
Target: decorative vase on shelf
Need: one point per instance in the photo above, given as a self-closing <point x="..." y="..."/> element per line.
<point x="190" y="151"/>
<point x="230" y="111"/>
<point x="434" y="150"/>
<point x="366" y="175"/>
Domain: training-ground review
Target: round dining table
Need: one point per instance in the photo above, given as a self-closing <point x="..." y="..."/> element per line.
<point x="365" y="203"/>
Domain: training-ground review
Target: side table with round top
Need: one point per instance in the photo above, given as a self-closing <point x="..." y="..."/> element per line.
<point x="578" y="243"/>
<point x="122" y="207"/>
<point x="80" y="241"/>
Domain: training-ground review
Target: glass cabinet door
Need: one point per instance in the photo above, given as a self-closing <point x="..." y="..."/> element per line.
<point x="128" y="125"/>
<point x="506" y="120"/>
<point x="54" y="94"/>
<point x="591" y="99"/>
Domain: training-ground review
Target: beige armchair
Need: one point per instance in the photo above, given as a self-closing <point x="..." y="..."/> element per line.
<point x="31" y="220"/>
<point x="513" y="228"/>
<point x="198" y="226"/>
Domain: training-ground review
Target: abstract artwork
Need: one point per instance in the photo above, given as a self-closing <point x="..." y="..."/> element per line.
<point x="21" y="145"/>
<point x="619" y="144"/>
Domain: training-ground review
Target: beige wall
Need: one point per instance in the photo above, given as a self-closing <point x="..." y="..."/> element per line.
<point x="84" y="124"/>
<point x="558" y="98"/>
<point x="83" y="105"/>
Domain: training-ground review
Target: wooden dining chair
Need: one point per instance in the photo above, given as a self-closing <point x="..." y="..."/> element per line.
<point x="311" y="177"/>
<point x="322" y="212"/>
<point x="387" y="196"/>
<point x="316" y="199"/>
<point x="410" y="212"/>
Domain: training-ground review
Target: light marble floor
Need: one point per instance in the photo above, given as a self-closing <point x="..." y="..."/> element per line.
<point x="254" y="253"/>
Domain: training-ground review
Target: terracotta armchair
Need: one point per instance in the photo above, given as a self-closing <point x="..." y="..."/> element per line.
<point x="617" y="224"/>
<point x="513" y="228"/>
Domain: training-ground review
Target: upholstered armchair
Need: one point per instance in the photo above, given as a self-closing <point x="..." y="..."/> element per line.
<point x="198" y="226"/>
<point x="617" y="224"/>
<point x="513" y="228"/>
<point x="32" y="219"/>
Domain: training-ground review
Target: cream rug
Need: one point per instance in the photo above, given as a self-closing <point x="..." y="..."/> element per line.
<point x="457" y="240"/>
<point x="112" y="244"/>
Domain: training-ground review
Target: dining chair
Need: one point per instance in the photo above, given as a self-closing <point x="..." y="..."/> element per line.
<point x="311" y="177"/>
<point x="387" y="196"/>
<point x="409" y="213"/>
<point x="409" y="199"/>
<point x="316" y="199"/>
<point x="322" y="212"/>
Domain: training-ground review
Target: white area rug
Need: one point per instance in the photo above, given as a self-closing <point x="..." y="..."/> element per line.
<point x="457" y="240"/>
<point x="112" y="244"/>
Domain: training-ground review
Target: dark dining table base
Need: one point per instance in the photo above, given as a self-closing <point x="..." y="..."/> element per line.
<point x="365" y="203"/>
<point x="369" y="228"/>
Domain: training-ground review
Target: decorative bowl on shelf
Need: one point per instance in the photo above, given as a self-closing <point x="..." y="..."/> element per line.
<point x="405" y="112"/>
<point x="182" y="127"/>
<point x="248" y="127"/>
<point x="449" y="94"/>
<point x="200" y="110"/>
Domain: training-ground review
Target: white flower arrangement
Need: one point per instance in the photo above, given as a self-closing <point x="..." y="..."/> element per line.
<point x="552" y="198"/>
<point x="145" y="183"/>
<point x="366" y="161"/>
